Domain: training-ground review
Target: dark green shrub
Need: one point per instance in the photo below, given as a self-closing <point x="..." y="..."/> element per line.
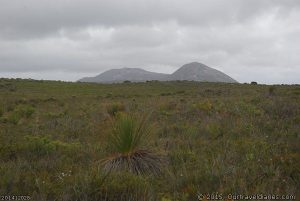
<point x="114" y="108"/>
<point x="271" y="90"/>
<point x="21" y="111"/>
<point x="166" y="94"/>
<point x="126" y="143"/>
<point x="24" y="110"/>
<point x="12" y="89"/>
<point x="42" y="146"/>
<point x="21" y="101"/>
<point x="14" y="118"/>
<point x="9" y="151"/>
<point x="180" y="92"/>
<point x="109" y="95"/>
<point x="51" y="99"/>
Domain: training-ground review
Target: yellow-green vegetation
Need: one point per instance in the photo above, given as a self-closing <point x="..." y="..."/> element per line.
<point x="114" y="108"/>
<point x="58" y="139"/>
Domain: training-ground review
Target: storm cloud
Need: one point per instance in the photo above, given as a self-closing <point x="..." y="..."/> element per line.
<point x="69" y="39"/>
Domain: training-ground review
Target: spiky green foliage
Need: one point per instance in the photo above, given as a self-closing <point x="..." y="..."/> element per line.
<point x="129" y="133"/>
<point x="126" y="141"/>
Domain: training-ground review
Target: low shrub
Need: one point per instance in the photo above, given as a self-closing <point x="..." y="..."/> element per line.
<point x="127" y="144"/>
<point x="281" y="108"/>
<point x="9" y="151"/>
<point x="21" y="111"/>
<point x="14" y="118"/>
<point x="166" y="94"/>
<point x="1" y="112"/>
<point x="24" y="110"/>
<point x="41" y="146"/>
<point x="272" y="90"/>
<point x="205" y="106"/>
<point x="114" y="108"/>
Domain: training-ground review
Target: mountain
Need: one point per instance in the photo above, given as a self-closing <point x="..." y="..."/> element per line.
<point x="199" y="72"/>
<point x="193" y="72"/>
<point x="123" y="74"/>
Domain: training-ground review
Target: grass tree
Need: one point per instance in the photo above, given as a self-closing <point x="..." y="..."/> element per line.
<point x="127" y="144"/>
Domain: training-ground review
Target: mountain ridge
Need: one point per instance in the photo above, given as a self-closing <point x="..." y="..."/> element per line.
<point x="193" y="71"/>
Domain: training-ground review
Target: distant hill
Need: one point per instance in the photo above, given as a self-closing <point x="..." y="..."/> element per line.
<point x="124" y="74"/>
<point x="199" y="72"/>
<point x="192" y="72"/>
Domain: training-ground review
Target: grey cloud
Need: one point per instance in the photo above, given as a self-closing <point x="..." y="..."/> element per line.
<point x="32" y="18"/>
<point x="249" y="40"/>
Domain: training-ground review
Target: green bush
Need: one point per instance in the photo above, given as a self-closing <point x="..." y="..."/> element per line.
<point x="127" y="143"/>
<point x="281" y="108"/>
<point x="14" y="118"/>
<point x="42" y="146"/>
<point x="25" y="111"/>
<point x="21" y="111"/>
<point x="114" y="108"/>
<point x="272" y="90"/>
<point x="205" y="106"/>
<point x="10" y="151"/>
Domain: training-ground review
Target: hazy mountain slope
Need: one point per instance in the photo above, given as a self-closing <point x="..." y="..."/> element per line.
<point x="193" y="72"/>
<point x="199" y="72"/>
<point x="131" y="74"/>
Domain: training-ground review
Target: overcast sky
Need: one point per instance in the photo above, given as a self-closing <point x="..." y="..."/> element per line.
<point x="69" y="39"/>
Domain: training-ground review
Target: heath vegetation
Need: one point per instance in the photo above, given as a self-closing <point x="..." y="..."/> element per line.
<point x="160" y="141"/>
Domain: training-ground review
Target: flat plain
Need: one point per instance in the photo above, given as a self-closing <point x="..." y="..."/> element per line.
<point x="213" y="138"/>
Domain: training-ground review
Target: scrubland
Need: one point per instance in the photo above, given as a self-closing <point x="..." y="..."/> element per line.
<point x="56" y="140"/>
